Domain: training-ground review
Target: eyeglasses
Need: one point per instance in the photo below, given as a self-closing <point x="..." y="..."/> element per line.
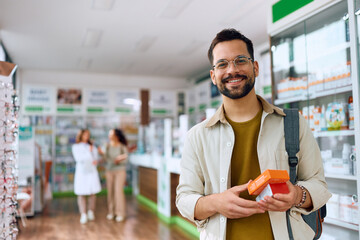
<point x="238" y="62"/>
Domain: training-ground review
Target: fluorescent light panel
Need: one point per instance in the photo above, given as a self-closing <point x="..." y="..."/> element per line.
<point x="192" y="47"/>
<point x="85" y="63"/>
<point x="145" y="43"/>
<point x="174" y="8"/>
<point x="91" y="38"/>
<point x="102" y="4"/>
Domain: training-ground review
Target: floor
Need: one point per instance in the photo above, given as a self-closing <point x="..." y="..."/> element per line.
<point x="60" y="220"/>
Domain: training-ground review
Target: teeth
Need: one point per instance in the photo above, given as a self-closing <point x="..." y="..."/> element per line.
<point x="232" y="81"/>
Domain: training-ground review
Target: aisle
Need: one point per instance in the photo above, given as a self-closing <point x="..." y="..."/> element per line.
<point x="60" y="221"/>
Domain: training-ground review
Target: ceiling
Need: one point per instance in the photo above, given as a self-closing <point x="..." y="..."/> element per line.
<point x="139" y="37"/>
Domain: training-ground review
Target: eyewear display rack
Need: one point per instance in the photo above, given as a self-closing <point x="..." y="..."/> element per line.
<point x="8" y="153"/>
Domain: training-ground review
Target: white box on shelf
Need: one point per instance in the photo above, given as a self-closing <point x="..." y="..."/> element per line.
<point x="332" y="206"/>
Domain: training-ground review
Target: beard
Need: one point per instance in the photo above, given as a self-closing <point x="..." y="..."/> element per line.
<point x="237" y="92"/>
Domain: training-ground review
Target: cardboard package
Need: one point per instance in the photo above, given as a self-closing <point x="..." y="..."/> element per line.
<point x="271" y="177"/>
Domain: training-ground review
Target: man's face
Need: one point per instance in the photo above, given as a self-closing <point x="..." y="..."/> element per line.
<point x="233" y="82"/>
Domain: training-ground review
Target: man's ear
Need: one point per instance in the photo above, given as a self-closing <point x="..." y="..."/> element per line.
<point x="256" y="68"/>
<point x="212" y="75"/>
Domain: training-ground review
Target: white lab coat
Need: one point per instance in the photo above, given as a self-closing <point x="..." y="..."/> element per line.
<point x="86" y="180"/>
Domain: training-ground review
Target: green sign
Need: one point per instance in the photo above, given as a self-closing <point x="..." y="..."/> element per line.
<point x="95" y="109"/>
<point x="65" y="109"/>
<point x="284" y="7"/>
<point x="122" y="110"/>
<point x="160" y="111"/>
<point x="34" y="108"/>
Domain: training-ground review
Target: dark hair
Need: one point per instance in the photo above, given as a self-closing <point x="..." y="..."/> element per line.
<point x="120" y="136"/>
<point x="80" y="135"/>
<point x="228" y="35"/>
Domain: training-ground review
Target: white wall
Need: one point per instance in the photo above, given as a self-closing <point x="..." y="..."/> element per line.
<point x="79" y="79"/>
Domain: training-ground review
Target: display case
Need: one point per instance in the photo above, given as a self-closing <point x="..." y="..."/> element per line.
<point x="312" y="70"/>
<point x="64" y="168"/>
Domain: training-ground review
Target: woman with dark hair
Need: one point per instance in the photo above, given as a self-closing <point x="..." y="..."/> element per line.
<point x="86" y="180"/>
<point x="115" y="154"/>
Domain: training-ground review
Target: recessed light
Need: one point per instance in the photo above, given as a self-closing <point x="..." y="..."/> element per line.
<point x="84" y="63"/>
<point x="174" y="8"/>
<point x="91" y="38"/>
<point x="102" y="4"/>
<point x="145" y="43"/>
<point x="192" y="47"/>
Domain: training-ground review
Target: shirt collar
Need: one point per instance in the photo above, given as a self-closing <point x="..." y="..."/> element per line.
<point x="220" y="113"/>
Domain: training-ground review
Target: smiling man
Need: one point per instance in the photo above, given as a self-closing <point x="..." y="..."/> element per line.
<point x="244" y="138"/>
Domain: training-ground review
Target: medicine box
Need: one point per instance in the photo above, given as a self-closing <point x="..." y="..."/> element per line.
<point x="271" y="189"/>
<point x="268" y="176"/>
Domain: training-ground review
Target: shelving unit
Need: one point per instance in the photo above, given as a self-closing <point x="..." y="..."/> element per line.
<point x="342" y="224"/>
<point x="314" y="68"/>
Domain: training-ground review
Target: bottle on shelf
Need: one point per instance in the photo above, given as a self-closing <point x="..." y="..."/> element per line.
<point x="351" y="112"/>
<point x="323" y="125"/>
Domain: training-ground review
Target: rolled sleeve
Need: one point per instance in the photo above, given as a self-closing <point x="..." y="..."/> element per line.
<point x="191" y="183"/>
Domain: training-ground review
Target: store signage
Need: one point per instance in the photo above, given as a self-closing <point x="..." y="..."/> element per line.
<point x="284" y="7"/>
<point x="162" y="103"/>
<point x="38" y="99"/>
<point x="127" y="101"/>
<point x="203" y="95"/>
<point x="69" y="100"/>
<point x="97" y="101"/>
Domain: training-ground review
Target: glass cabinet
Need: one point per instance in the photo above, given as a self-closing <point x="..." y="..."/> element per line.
<point x="312" y="71"/>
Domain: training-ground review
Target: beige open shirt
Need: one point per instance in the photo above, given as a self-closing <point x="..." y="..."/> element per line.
<point x="205" y="169"/>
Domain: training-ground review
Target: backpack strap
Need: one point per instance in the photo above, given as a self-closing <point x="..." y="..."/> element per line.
<point x="291" y="131"/>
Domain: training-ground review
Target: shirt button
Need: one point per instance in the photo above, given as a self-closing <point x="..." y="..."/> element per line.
<point x="228" y="144"/>
<point x="222" y="179"/>
<point x="222" y="219"/>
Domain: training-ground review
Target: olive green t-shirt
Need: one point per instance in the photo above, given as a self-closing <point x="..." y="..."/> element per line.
<point x="245" y="166"/>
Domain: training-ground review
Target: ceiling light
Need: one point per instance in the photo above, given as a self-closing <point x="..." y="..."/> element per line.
<point x="174" y="8"/>
<point x="102" y="4"/>
<point x="145" y="43"/>
<point x="91" y="38"/>
<point x="345" y="17"/>
<point x="192" y="47"/>
<point x="357" y="12"/>
<point x="241" y="11"/>
<point x="84" y="63"/>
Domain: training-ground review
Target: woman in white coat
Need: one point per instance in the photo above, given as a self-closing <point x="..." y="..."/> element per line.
<point x="86" y="181"/>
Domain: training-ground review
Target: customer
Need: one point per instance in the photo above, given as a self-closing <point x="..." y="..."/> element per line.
<point x="115" y="153"/>
<point x="244" y="138"/>
<point x="86" y="182"/>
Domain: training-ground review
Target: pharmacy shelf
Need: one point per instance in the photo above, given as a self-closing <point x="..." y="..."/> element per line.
<point x="298" y="98"/>
<point x="343" y="177"/>
<point x="334" y="133"/>
<point x="332" y="91"/>
<point x="331" y="50"/>
<point x="343" y="224"/>
<point x="314" y="95"/>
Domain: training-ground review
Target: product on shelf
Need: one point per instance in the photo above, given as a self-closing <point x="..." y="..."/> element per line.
<point x="351" y="112"/>
<point x="335" y="116"/>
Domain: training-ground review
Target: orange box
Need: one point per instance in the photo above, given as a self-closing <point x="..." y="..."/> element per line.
<point x="268" y="176"/>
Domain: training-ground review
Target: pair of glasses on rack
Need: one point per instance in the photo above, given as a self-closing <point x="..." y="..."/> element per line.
<point x="9" y="233"/>
<point x="9" y="137"/>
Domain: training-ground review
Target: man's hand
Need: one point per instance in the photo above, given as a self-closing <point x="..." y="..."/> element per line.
<point x="232" y="206"/>
<point x="227" y="203"/>
<point x="282" y="202"/>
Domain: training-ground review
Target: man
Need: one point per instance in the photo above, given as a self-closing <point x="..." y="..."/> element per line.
<point x="244" y="138"/>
